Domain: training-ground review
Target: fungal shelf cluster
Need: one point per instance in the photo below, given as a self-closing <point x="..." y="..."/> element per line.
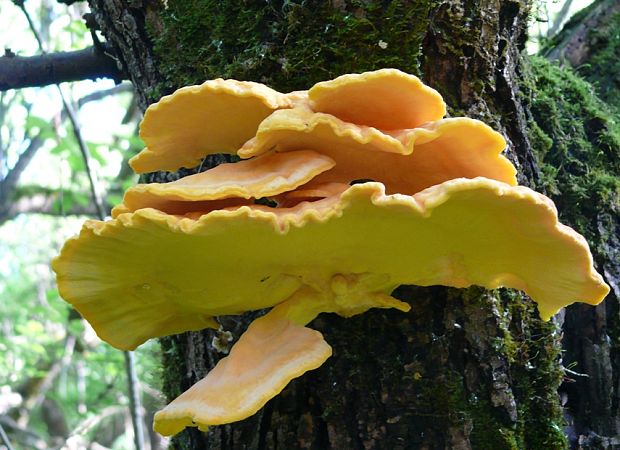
<point x="343" y="193"/>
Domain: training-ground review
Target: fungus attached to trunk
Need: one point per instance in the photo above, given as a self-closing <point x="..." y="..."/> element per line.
<point x="405" y="161"/>
<point x="123" y="275"/>
<point x="272" y="352"/>
<point x="442" y="208"/>
<point x="216" y="117"/>
<point x="387" y="99"/>
<point x="265" y="176"/>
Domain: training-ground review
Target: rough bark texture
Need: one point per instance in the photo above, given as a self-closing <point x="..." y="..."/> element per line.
<point x="124" y="24"/>
<point x="577" y="41"/>
<point x="17" y="72"/>
<point x="466" y="368"/>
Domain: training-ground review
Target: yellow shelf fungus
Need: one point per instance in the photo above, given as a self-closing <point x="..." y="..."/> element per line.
<point x="265" y="176"/>
<point x="433" y="202"/>
<point x="387" y="99"/>
<point x="406" y="161"/>
<point x="272" y="352"/>
<point x="216" y="117"/>
<point x="123" y="275"/>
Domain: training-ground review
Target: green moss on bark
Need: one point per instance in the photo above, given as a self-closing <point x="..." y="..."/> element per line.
<point x="288" y="45"/>
<point x="576" y="138"/>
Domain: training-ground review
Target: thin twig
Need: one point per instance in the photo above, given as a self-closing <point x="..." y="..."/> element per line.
<point x="36" y="398"/>
<point x="575" y="374"/>
<point x="87" y="425"/>
<point x="130" y="364"/>
<point x="5" y="439"/>
<point x="99" y="95"/>
<point x="72" y="118"/>
<point x="7" y="185"/>
<point x="85" y="154"/>
<point x="134" y="400"/>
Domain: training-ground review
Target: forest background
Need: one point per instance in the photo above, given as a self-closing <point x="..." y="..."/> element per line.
<point x="63" y="158"/>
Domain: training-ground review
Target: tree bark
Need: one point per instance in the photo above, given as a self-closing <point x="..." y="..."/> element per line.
<point x="465" y="369"/>
<point x="17" y="72"/>
<point x="591" y="45"/>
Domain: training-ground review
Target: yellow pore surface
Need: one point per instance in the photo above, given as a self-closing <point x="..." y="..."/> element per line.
<point x="271" y="353"/>
<point x="405" y="161"/>
<point x="217" y="116"/>
<point x="387" y="99"/>
<point x="150" y="274"/>
<point x="267" y="175"/>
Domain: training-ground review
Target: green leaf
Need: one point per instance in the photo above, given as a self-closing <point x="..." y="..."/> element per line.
<point x="76" y="162"/>
<point x="81" y="199"/>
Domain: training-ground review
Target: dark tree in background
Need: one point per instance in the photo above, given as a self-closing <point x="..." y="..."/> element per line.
<point x="465" y="368"/>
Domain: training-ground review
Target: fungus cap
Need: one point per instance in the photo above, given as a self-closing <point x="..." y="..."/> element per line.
<point x="266" y="175"/>
<point x="405" y="161"/>
<point x="460" y="233"/>
<point x="217" y="116"/>
<point x="387" y="99"/>
<point x="273" y="351"/>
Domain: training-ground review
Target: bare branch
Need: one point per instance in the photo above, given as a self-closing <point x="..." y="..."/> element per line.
<point x="44" y="201"/>
<point x="560" y="17"/>
<point x="40" y="385"/>
<point x="78" y="434"/>
<point x="20" y="435"/>
<point x="572" y="43"/>
<point x="85" y="155"/>
<point x="134" y="400"/>
<point x="74" y="123"/>
<point x="27" y="71"/>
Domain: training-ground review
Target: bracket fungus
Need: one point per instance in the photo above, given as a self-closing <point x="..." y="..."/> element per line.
<point x="215" y="117"/>
<point x="373" y="188"/>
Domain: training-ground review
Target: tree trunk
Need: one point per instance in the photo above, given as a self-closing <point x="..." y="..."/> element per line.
<point x="465" y="368"/>
<point x="586" y="155"/>
<point x="590" y="43"/>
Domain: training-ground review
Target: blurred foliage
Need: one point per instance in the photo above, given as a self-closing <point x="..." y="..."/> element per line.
<point x="60" y="386"/>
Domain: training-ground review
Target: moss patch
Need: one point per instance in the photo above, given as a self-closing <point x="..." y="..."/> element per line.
<point x="576" y="139"/>
<point x="287" y="45"/>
